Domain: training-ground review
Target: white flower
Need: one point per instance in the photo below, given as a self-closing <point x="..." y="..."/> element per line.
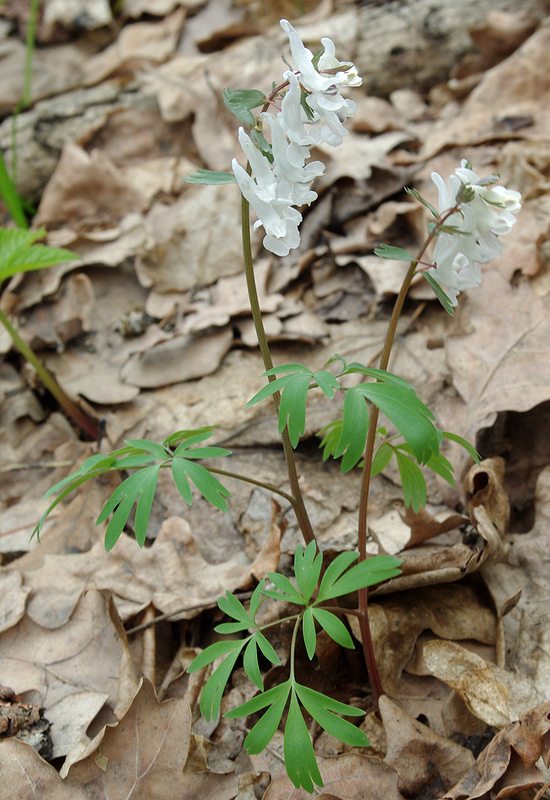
<point x="293" y="122"/>
<point x="485" y="212"/>
<point x="324" y="98"/>
<point x="269" y="199"/>
<point x="297" y="179"/>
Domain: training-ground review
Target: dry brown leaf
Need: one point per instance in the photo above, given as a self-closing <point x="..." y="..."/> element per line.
<point x="142" y="42"/>
<point x="357" y="155"/>
<point x="484" y="484"/>
<point x="511" y="101"/>
<point x="493" y="695"/>
<point x="454" y="612"/>
<point x="502" y="365"/>
<point x="498" y="772"/>
<point x="182" y="358"/>
<point x="157" y="8"/>
<point x="29" y="777"/>
<point x="89" y="653"/>
<point x="419" y="755"/>
<point x="345" y="778"/>
<point x="141" y="756"/>
<point x="171" y="574"/>
<point x="13" y="598"/>
<point x="85" y="190"/>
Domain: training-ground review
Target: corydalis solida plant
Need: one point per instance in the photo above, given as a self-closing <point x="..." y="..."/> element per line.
<point x="307" y="108"/>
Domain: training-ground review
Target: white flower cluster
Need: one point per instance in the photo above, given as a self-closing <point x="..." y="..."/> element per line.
<point x="276" y="187"/>
<point x="487" y="211"/>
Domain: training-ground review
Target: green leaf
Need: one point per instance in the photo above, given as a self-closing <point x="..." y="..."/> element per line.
<point x="381" y="375"/>
<point x="205" y="452"/>
<point x="308" y="632"/>
<point x="440" y="294"/>
<point x="231" y="627"/>
<point x="330" y="436"/>
<point x="267" y="649"/>
<point x="381" y="459"/>
<point x="137" y="488"/>
<point x="210" y="487"/>
<point x="286" y="591"/>
<point x="417" y="196"/>
<point x="300" y="762"/>
<point x="412" y="481"/>
<point x="292" y="409"/>
<point x="12" y="200"/>
<point x="263" y="731"/>
<point x="250" y="664"/>
<point x="262" y="700"/>
<point x="233" y="607"/>
<point x="409" y="415"/>
<point x="289" y="367"/>
<point x="210" y="176"/>
<point x="334" y="570"/>
<point x="153" y="448"/>
<point x="366" y="573"/>
<point x="470" y="449"/>
<point x="215" y="651"/>
<point x="270" y="388"/>
<point x="189" y="437"/>
<point x="256" y="600"/>
<point x="240" y="101"/>
<point x="211" y="695"/>
<point x="396" y="253"/>
<point x="443" y="467"/>
<point x="179" y="474"/>
<point x="334" y="627"/>
<point x="307" y="568"/>
<point x="19" y="254"/>
<point x="322" y="710"/>
<point x="326" y="382"/>
<point x="354" y="429"/>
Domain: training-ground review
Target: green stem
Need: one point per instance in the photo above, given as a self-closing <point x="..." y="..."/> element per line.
<point x="264" y="485"/>
<point x="86" y="423"/>
<point x="291" y="656"/>
<point x="368" y="648"/>
<point x="298" y="500"/>
<point x="278" y="622"/>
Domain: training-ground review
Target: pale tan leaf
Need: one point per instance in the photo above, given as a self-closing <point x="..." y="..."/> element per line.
<point x="418" y="754"/>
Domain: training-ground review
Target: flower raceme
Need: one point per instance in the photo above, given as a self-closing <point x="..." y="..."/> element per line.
<point x="312" y="113"/>
<point x="485" y="212"/>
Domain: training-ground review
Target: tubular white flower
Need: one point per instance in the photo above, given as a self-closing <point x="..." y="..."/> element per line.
<point x="324" y="98"/>
<point x="486" y="211"/>
<point x="298" y="179"/>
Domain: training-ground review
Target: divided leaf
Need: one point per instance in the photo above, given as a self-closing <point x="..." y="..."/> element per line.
<point x="210" y="177"/>
<point x="334" y="627"/>
<point x="440" y="294"/>
<point x="18" y="253"/>
<point x="412" y="481"/>
<point x="300" y="762"/>
<point x="241" y="101"/>
<point x="307" y="568"/>
<point x="138" y="489"/>
<point x="325" y="711"/>
<point x="396" y="253"/>
<point x="365" y="573"/>
<point x="355" y="425"/>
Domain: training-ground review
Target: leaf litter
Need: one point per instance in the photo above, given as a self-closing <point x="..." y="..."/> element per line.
<point x="463" y="633"/>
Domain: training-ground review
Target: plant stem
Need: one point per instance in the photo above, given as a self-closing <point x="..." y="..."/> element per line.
<point x="86" y="423"/>
<point x="298" y="500"/>
<point x="264" y="485"/>
<point x="366" y="637"/>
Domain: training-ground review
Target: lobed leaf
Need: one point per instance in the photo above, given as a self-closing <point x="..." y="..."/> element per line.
<point x="412" y="481"/>
<point x="18" y="253"/>
<point x="286" y="590"/>
<point x="233" y="607"/>
<point x="210" y="177"/>
<point x="308" y="632"/>
<point x="330" y="437"/>
<point x="334" y="570"/>
<point x="334" y="627"/>
<point x="307" y="568"/>
<point x="365" y="573"/>
<point x="263" y="731"/>
<point x="409" y="415"/>
<point x="381" y="459"/>
<point x="300" y="762"/>
<point x="322" y="708"/>
<point x="251" y="665"/>
<point x="267" y="648"/>
<point x="292" y="409"/>
<point x="470" y="449"/>
<point x="395" y="253"/>
<point x="215" y="651"/>
<point x="210" y="487"/>
<point x="211" y="695"/>
<point x="138" y="489"/>
<point x="240" y="101"/>
<point x="354" y="429"/>
<point x="440" y="294"/>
